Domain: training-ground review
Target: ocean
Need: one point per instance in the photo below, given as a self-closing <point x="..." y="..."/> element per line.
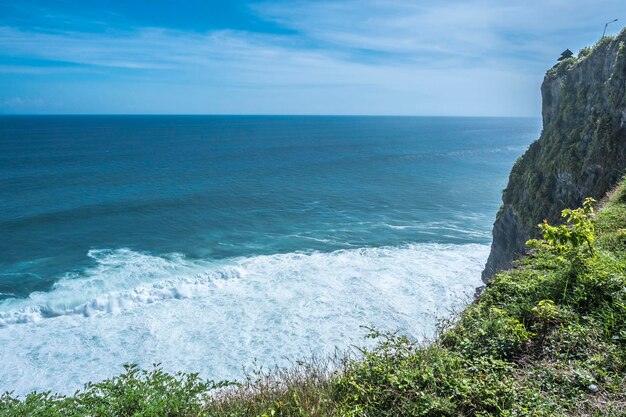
<point x="209" y="243"/>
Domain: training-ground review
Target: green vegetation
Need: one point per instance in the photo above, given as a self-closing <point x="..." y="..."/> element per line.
<point x="571" y="61"/>
<point x="134" y="393"/>
<point x="574" y="239"/>
<point x="547" y="338"/>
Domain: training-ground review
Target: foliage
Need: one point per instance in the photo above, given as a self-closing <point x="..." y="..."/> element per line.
<point x="571" y="238"/>
<point x="400" y="378"/>
<point x="137" y="393"/>
<point x="584" y="52"/>
<point x="303" y="389"/>
<point x="489" y="331"/>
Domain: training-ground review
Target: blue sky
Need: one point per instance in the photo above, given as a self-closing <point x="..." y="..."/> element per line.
<point x="376" y="57"/>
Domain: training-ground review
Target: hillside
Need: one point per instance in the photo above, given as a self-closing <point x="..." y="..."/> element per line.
<point x="581" y="152"/>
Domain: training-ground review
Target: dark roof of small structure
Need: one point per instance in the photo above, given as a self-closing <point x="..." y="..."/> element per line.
<point x="565" y="54"/>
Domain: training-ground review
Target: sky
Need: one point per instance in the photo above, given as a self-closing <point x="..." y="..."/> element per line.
<point x="345" y="57"/>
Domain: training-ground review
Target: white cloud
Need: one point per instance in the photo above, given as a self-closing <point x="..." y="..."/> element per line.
<point x="462" y="29"/>
<point x="350" y="57"/>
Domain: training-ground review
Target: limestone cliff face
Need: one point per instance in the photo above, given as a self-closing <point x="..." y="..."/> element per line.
<point x="581" y="152"/>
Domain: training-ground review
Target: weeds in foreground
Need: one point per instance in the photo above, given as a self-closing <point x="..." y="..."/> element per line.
<point x="303" y="389"/>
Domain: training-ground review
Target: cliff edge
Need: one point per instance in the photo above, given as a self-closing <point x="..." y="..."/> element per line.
<point x="581" y="151"/>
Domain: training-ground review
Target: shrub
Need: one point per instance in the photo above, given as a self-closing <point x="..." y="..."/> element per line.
<point x="487" y="331"/>
<point x="572" y="238"/>
<point x="399" y="378"/>
<point x="136" y="392"/>
<point x="584" y="52"/>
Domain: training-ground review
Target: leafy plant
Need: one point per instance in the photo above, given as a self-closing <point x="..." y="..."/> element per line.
<point x="489" y="331"/>
<point x="574" y="237"/>
<point x="136" y="393"/>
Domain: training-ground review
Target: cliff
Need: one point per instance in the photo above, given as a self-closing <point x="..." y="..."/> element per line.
<point x="581" y="152"/>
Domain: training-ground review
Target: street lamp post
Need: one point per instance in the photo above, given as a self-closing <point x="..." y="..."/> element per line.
<point x="607" y="23"/>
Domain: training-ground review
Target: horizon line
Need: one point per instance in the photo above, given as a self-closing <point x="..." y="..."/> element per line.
<point x="254" y="115"/>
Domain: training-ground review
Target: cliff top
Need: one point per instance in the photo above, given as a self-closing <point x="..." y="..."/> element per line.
<point x="600" y="47"/>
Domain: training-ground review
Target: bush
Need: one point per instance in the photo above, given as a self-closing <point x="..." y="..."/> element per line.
<point x="399" y="378"/>
<point x="487" y="331"/>
<point x="136" y="392"/>
<point x="573" y="239"/>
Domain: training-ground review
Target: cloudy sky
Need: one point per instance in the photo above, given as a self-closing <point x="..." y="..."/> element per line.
<point x="402" y="57"/>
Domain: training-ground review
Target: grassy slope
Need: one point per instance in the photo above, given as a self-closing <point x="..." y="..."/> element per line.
<point x="547" y="338"/>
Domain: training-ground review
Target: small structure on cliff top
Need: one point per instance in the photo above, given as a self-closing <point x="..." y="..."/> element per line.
<point x="565" y="54"/>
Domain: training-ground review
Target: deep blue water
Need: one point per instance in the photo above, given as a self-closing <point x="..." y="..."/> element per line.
<point x="114" y="225"/>
<point x="219" y="187"/>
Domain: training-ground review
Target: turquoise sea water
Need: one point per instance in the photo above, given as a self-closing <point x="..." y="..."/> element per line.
<point x="206" y="242"/>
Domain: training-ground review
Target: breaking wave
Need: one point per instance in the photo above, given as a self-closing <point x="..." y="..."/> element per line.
<point x="213" y="317"/>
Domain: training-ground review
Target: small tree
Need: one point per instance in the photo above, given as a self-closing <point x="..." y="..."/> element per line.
<point x="572" y="239"/>
<point x="572" y="242"/>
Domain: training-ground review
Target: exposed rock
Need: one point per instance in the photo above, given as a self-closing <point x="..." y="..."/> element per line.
<point x="581" y="152"/>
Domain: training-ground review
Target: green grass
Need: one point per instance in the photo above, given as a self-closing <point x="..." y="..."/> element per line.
<point x="547" y="338"/>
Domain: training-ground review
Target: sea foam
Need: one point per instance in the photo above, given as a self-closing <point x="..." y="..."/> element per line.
<point x="213" y="317"/>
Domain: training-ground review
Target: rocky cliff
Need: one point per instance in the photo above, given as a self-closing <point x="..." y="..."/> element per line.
<point x="581" y="152"/>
